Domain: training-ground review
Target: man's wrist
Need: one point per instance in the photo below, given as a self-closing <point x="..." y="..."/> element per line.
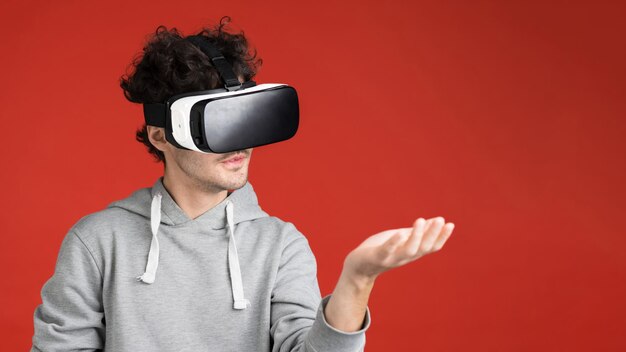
<point x="347" y="306"/>
<point x="359" y="282"/>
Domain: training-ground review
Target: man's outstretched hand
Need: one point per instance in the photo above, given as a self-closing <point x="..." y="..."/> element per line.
<point x="378" y="253"/>
<point x="392" y="248"/>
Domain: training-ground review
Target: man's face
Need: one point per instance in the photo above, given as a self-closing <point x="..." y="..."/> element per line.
<point x="209" y="172"/>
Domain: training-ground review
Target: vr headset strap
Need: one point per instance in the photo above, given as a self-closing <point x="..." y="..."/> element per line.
<point x="156" y="113"/>
<point x="231" y="82"/>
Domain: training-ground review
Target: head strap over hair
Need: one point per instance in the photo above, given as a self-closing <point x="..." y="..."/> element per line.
<point x="231" y="82"/>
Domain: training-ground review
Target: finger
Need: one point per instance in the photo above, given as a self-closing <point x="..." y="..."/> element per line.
<point x="443" y="237"/>
<point x="412" y="244"/>
<point x="431" y="234"/>
<point x="428" y="223"/>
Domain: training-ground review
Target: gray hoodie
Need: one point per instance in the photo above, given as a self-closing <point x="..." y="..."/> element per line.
<point x="141" y="275"/>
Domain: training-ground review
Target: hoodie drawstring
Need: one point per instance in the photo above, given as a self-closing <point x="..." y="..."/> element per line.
<point x="233" y="263"/>
<point x="240" y="302"/>
<point x="153" y="256"/>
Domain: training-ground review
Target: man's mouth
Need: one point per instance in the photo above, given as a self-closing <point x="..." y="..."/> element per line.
<point x="235" y="158"/>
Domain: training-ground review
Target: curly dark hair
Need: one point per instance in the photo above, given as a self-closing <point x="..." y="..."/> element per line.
<point x="170" y="65"/>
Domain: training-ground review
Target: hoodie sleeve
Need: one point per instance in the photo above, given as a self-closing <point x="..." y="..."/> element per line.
<point x="71" y="315"/>
<point x="298" y="323"/>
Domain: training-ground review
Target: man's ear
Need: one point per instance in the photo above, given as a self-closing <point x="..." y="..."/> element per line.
<point x="157" y="137"/>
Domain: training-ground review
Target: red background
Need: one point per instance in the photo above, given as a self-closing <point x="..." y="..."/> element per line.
<point x="506" y="118"/>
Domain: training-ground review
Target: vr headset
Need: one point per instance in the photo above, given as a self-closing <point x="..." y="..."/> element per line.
<point x="236" y="117"/>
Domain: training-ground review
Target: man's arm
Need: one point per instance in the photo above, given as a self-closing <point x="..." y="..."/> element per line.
<point x="386" y="250"/>
<point x="71" y="316"/>
<point x="339" y="321"/>
<point x="297" y="319"/>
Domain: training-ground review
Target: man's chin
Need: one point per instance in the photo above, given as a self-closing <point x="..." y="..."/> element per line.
<point x="235" y="183"/>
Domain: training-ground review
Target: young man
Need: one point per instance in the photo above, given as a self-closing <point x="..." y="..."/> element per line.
<point x="193" y="263"/>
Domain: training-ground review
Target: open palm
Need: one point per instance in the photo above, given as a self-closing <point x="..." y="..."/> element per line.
<point x="397" y="247"/>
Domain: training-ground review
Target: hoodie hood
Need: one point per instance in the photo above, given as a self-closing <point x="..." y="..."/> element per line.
<point x="157" y="205"/>
<point x="244" y="200"/>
